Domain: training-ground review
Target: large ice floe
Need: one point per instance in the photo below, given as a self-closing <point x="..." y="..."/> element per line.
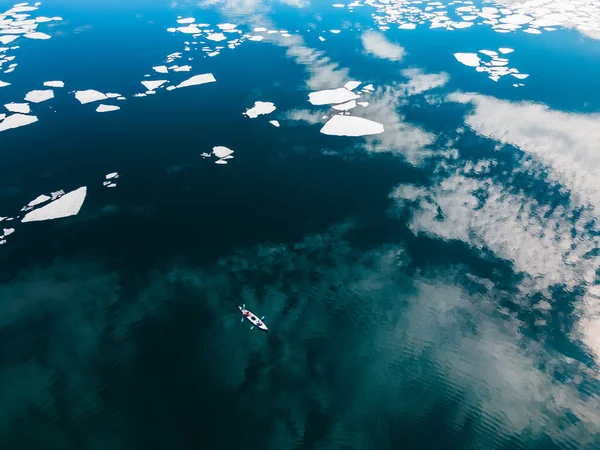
<point x="22" y="108"/>
<point x="259" y="109"/>
<point x="197" y="80"/>
<point x="65" y="206"/>
<point x="351" y="126"/>
<point x="89" y="95"/>
<point x="39" y="96"/>
<point x="16" y="121"/>
<point x="331" y="96"/>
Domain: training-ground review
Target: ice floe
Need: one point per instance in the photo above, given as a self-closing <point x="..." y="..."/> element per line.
<point x="468" y="59"/>
<point x="4" y="84"/>
<point x="259" y="109"/>
<point x="38" y="200"/>
<point x="16" y="121"/>
<point x="351" y="85"/>
<point x="345" y="106"/>
<point x="331" y="96"/>
<point x="221" y="152"/>
<point x="505" y="50"/>
<point x="67" y="205"/>
<point x="107" y="108"/>
<point x="197" y="79"/>
<point x="110" y="176"/>
<point x="256" y="38"/>
<point x="7" y="39"/>
<point x="39" y="96"/>
<point x="186" y="20"/>
<point x="89" y="95"/>
<point x="160" y="69"/>
<point x="351" y="126"/>
<point x="275" y="123"/>
<point x="216" y="37"/>
<point x="153" y="84"/>
<point x="22" y="108"/>
<point x="54" y="84"/>
<point x="37" y="35"/>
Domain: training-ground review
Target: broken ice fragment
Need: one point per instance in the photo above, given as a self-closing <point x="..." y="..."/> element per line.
<point x="107" y="108"/>
<point x="351" y="85"/>
<point x="331" y="96"/>
<point x="39" y="96"/>
<point x="18" y="107"/>
<point x="54" y="84"/>
<point x="351" y="126"/>
<point x="16" y="121"/>
<point x="198" y="79"/>
<point x="259" y="109"/>
<point x="153" y="84"/>
<point x="65" y="206"/>
<point x="468" y="59"/>
<point x="275" y="123"/>
<point x="89" y="95"/>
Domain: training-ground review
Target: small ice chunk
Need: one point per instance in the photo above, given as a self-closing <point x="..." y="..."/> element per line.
<point x="171" y="88"/>
<point x="331" y="96"/>
<point x="259" y="109"/>
<point x="368" y="87"/>
<point x="220" y="161"/>
<point x="259" y="29"/>
<point x="186" y="20"/>
<point x="532" y="31"/>
<point x="351" y="85"/>
<point x="139" y="95"/>
<point x="345" y="106"/>
<point x="107" y="108"/>
<point x="65" y="206"/>
<point x="111" y="185"/>
<point x="182" y="68"/>
<point x="37" y="35"/>
<point x="121" y="98"/>
<point x="57" y="194"/>
<point x="22" y="108"/>
<point x="321" y="38"/>
<point x="334" y="31"/>
<point x="110" y="176"/>
<point x="256" y="38"/>
<point x="211" y="54"/>
<point x="491" y="53"/>
<point x="407" y="26"/>
<point x="153" y="84"/>
<point x="8" y="231"/>
<point x="89" y="95"/>
<point x="221" y="152"/>
<point x="112" y="95"/>
<point x="39" y="199"/>
<point x="275" y="123"/>
<point x="4" y="84"/>
<point x="160" y="69"/>
<point x="520" y="76"/>
<point x="190" y="29"/>
<point x="505" y="50"/>
<point x="351" y="126"/>
<point x="217" y="37"/>
<point x="39" y="96"/>
<point x="54" y="84"/>
<point x="468" y="59"/>
<point x="460" y="25"/>
<point x="198" y="79"/>
<point x="16" y="121"/>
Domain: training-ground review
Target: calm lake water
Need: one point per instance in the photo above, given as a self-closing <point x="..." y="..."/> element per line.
<point x="420" y="232"/>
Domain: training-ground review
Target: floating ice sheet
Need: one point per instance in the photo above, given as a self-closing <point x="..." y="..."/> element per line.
<point x="54" y="84"/>
<point x="197" y="79"/>
<point x="345" y="106"/>
<point x="186" y="20"/>
<point x="259" y="109"/>
<point x="216" y="37"/>
<point x="153" y="84"/>
<point x="505" y="50"/>
<point x="351" y="85"/>
<point x="22" y="108"/>
<point x="468" y="59"/>
<point x="89" y="95"/>
<point x="7" y="39"/>
<point x="160" y="69"/>
<point x="65" y="206"/>
<point x="38" y="200"/>
<point x="351" y="126"/>
<point x="331" y="96"/>
<point x="107" y="108"/>
<point x="16" y="121"/>
<point x="275" y="123"/>
<point x="39" y="96"/>
<point x="221" y="152"/>
<point x="37" y="35"/>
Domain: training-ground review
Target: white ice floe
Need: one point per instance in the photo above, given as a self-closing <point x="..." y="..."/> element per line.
<point x="220" y="161"/>
<point x="186" y="20"/>
<point x="331" y="96"/>
<point x="160" y="69"/>
<point x="4" y="84"/>
<point x="407" y="26"/>
<point x="182" y="68"/>
<point x="7" y="39"/>
<point x="345" y="106"/>
<point x="190" y="29"/>
<point x="89" y="95"/>
<point x="7" y="231"/>
<point x="227" y="26"/>
<point x="37" y="35"/>
<point x="351" y="126"/>
<point x="216" y="37"/>
<point x="490" y="53"/>
<point x="39" y="96"/>
<point x="520" y="76"/>
<point x="107" y="108"/>
<point x="532" y="31"/>
<point x="197" y="79"/>
<point x="351" y="85"/>
<point x="110" y="176"/>
<point x="112" y="95"/>
<point x="468" y="59"/>
<point x="368" y="87"/>
<point x="259" y="29"/>
<point x="111" y="185"/>
<point x="16" y="121"/>
<point x="275" y="123"/>
<point x="54" y="84"/>
<point x="335" y="31"/>
<point x="153" y="84"/>
<point x="67" y="205"/>
<point x="22" y="108"/>
<point x="221" y="152"/>
<point x="259" y="109"/>
<point x="171" y="88"/>
<point x="256" y="38"/>
<point x="38" y="200"/>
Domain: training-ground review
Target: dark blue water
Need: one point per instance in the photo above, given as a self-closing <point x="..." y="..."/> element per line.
<point x="433" y="286"/>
